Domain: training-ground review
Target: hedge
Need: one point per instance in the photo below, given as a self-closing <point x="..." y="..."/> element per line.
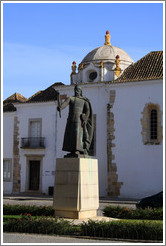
<point x="128" y="213"/>
<point x="109" y="211"/>
<point x="121" y="229"/>
<point x="41" y="225"/>
<point x="33" y="210"/>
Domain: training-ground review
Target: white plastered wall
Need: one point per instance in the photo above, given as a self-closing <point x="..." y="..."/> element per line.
<point x="47" y="113"/>
<point x="140" y="167"/>
<point x="8" y="130"/>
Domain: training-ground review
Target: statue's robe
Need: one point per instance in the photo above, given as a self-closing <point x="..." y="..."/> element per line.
<point x="78" y="136"/>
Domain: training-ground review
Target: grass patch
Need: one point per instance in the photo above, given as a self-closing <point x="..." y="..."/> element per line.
<point x="12" y="217"/>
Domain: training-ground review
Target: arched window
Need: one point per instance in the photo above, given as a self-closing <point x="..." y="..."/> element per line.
<point x="153" y="124"/>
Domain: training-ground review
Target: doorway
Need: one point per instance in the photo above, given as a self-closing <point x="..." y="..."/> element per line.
<point x="34" y="175"/>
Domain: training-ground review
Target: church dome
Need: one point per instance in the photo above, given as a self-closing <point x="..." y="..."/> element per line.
<point x="105" y="63"/>
<point x="107" y="53"/>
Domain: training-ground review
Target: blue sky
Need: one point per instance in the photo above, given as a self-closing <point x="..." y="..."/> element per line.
<point x="41" y="40"/>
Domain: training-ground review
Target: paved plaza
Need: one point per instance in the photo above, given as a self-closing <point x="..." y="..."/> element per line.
<point x="48" y="201"/>
<point x="38" y="238"/>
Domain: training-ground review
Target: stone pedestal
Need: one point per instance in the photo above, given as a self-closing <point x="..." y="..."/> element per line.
<point x="76" y="193"/>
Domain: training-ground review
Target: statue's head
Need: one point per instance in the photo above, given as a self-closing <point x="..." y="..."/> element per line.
<point x="78" y="90"/>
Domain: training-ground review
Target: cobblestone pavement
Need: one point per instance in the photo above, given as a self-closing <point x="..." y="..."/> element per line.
<point x="28" y="201"/>
<point x="38" y="238"/>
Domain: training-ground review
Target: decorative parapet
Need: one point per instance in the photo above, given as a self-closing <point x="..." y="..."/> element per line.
<point x="117" y="69"/>
<point x="74" y="67"/>
<point x="81" y="66"/>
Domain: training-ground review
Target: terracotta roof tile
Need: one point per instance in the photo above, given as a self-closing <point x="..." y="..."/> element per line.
<point x="16" y="97"/>
<point x="147" y="68"/>
<point x="9" y="107"/>
<point x="8" y="102"/>
<point x="49" y="94"/>
<point x="34" y="95"/>
<point x="43" y="96"/>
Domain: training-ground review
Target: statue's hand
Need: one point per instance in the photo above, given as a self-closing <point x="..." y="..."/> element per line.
<point x="58" y="108"/>
<point x="83" y="119"/>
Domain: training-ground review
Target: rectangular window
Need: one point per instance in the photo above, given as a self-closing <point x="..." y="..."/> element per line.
<point x="7" y="167"/>
<point x="35" y="128"/>
<point x="34" y="132"/>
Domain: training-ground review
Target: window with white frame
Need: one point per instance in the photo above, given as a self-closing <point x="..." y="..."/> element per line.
<point x="7" y="170"/>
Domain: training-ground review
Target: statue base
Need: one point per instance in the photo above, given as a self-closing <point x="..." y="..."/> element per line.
<point x="76" y="193"/>
<point x="77" y="154"/>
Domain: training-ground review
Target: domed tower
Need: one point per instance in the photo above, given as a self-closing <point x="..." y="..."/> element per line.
<point x="105" y="63"/>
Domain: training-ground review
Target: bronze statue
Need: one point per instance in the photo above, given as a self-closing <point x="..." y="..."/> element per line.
<point x="79" y="127"/>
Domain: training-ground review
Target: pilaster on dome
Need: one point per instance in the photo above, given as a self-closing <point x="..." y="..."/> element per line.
<point x="107" y="38"/>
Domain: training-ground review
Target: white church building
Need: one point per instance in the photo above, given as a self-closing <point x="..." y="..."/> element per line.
<point x="127" y="104"/>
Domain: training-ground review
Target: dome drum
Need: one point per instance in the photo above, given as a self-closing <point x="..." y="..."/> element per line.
<point x="94" y="73"/>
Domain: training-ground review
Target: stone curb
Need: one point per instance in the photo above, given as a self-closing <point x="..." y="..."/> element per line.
<point x="113" y="239"/>
<point x="118" y="202"/>
<point x="51" y="199"/>
<point x="28" y="198"/>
